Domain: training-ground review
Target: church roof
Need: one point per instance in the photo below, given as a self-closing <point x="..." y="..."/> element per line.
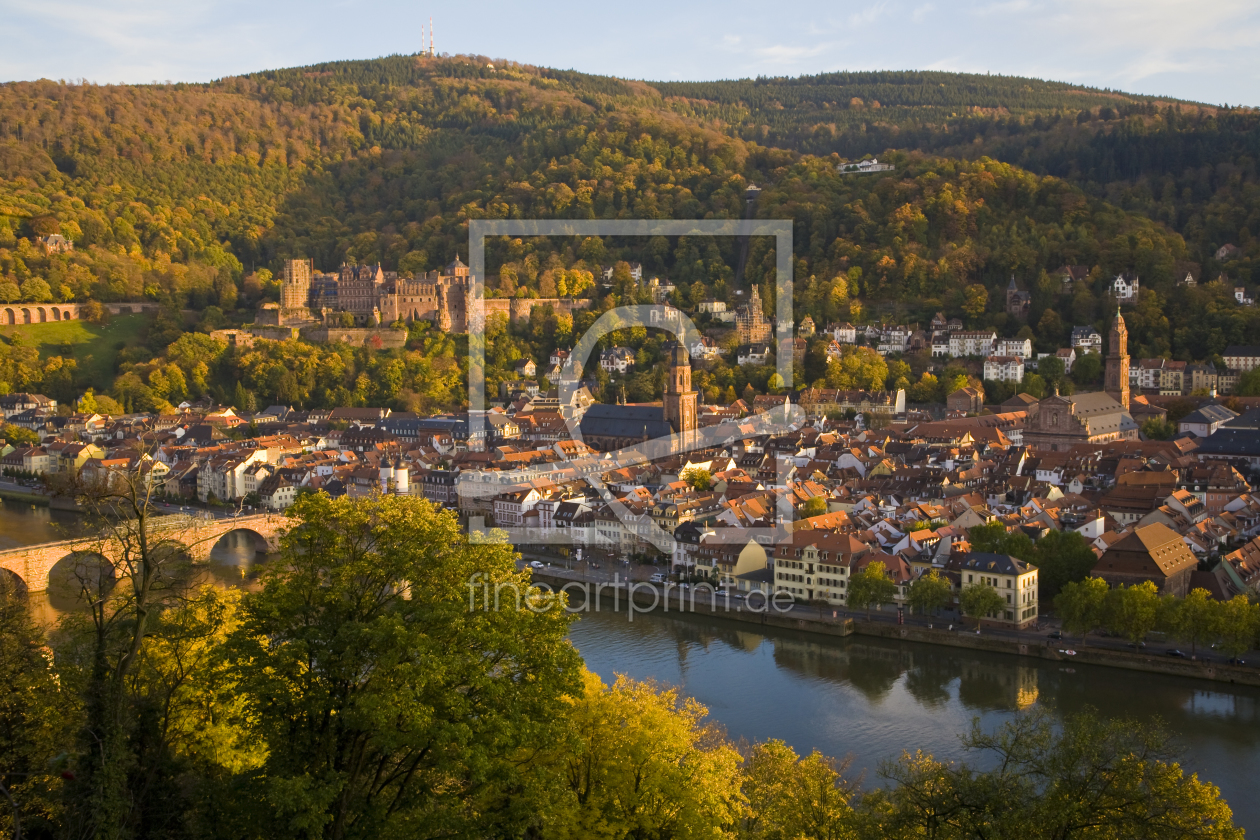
<point x="1093" y="404"/>
<point x="627" y="421"/>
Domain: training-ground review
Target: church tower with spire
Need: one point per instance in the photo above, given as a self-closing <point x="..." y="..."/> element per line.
<point x="680" y="402"/>
<point x="1117" y="378"/>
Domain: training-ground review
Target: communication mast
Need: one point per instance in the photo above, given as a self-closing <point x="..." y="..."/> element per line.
<point x="431" y="52"/>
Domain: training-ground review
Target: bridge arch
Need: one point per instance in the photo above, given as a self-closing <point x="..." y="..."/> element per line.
<point x="26" y="315"/>
<point x="10" y="317"/>
<point x="260" y="543"/>
<point x="80" y="568"/>
<point x="11" y="581"/>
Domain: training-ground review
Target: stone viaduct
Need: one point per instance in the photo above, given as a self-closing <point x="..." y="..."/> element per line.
<point x="43" y="313"/>
<point x="33" y="564"/>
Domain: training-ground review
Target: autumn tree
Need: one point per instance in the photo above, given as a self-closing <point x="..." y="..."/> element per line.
<point x="789" y="796"/>
<point x="975" y="299"/>
<point x="642" y="761"/>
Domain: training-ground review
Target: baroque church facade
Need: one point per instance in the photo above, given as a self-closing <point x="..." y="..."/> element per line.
<point x="610" y="427"/>
<point x="1058" y="423"/>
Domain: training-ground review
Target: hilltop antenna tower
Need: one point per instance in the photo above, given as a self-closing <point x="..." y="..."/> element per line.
<point x="431" y="52"/>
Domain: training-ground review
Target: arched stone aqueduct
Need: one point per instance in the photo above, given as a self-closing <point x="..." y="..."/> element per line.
<point x="44" y="313"/>
<point x="38" y="313"/>
<point x="34" y="563"/>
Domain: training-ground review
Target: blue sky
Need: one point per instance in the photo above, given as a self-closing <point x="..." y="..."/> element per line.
<point x="1204" y="50"/>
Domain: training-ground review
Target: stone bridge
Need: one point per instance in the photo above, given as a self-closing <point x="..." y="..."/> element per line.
<point x="33" y="564"/>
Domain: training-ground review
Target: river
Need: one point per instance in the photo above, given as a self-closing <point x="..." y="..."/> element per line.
<point x="869" y="699"/>
<point x="864" y="698"/>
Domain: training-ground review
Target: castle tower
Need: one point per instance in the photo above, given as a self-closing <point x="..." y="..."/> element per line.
<point x="444" y="312"/>
<point x="295" y="290"/>
<point x="1117" y="378"/>
<point x="680" y="402"/>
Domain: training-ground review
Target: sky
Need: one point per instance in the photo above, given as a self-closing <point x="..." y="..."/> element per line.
<point x="1200" y="50"/>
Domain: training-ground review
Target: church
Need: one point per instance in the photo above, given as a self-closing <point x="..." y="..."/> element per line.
<point x="1058" y="423"/>
<point x="610" y="427"/>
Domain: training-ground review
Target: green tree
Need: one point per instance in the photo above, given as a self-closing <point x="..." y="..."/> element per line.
<point x="1033" y="385"/>
<point x="397" y="674"/>
<point x="979" y="600"/>
<point x="1091" y="777"/>
<point x="18" y="435"/>
<point x="1196" y="618"/>
<point x="1249" y="384"/>
<point x="698" y="478"/>
<point x="870" y="587"/>
<point x="1051" y="370"/>
<point x="1082" y="606"/>
<point x="1087" y="370"/>
<point x="994" y="538"/>
<point x="36" y="290"/>
<point x="1158" y="428"/>
<point x="1132" y="610"/>
<point x="1061" y="557"/>
<point x="813" y="506"/>
<point x="930" y="592"/>
<point x="1238" y="625"/>
<point x="37" y="714"/>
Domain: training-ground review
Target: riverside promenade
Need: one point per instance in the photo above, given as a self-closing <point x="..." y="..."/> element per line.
<point x="627" y="591"/>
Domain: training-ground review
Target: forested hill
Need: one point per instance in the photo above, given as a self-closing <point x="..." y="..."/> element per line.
<point x="182" y="189"/>
<point x="1190" y="165"/>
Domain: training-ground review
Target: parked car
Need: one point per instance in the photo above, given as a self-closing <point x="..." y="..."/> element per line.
<point x="657" y="578"/>
<point x="1057" y="634"/>
<point x="1176" y="653"/>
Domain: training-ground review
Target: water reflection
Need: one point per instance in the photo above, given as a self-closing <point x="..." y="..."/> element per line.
<point x="872" y="698"/>
<point x="235" y="559"/>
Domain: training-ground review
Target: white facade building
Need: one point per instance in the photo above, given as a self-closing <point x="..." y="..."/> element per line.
<point x="972" y="343"/>
<point x="1003" y="369"/>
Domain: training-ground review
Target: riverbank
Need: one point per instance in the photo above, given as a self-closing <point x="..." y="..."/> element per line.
<point x="41" y="499"/>
<point x="646" y="598"/>
<point x="24" y="496"/>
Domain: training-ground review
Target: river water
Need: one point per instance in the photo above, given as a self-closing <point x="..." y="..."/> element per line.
<point x="864" y="698"/>
<point x="869" y="699"/>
